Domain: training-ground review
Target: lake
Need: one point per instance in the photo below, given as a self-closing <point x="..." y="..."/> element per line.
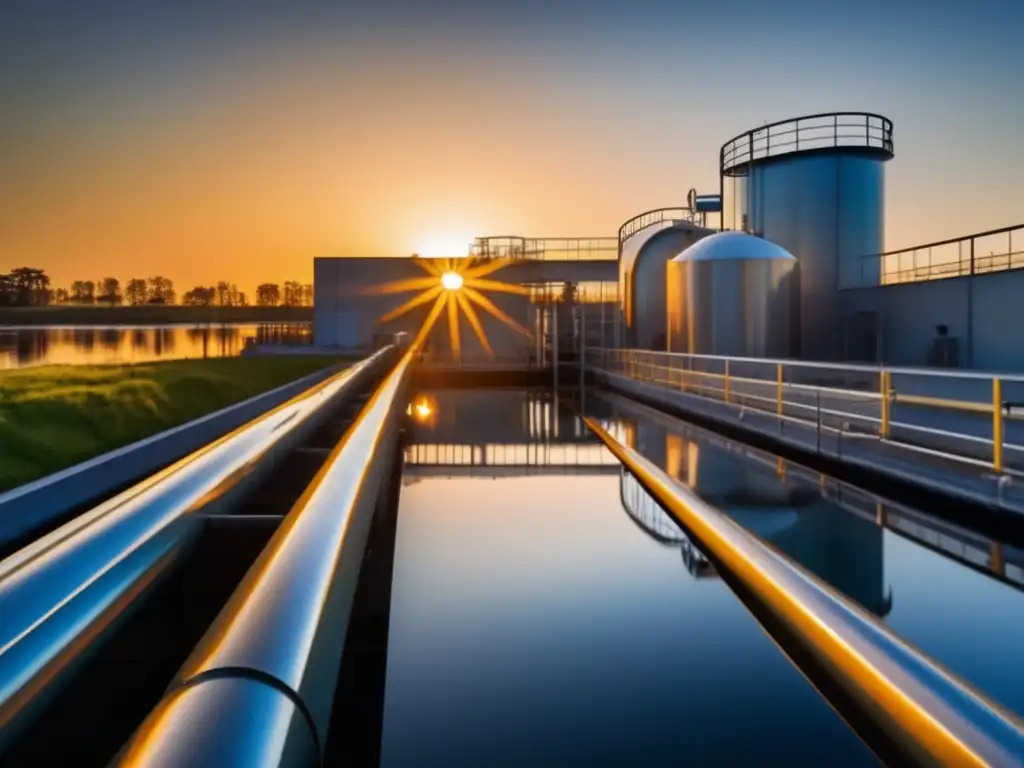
<point x="79" y="345"/>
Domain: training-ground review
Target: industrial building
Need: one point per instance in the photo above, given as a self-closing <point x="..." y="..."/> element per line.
<point x="795" y="268"/>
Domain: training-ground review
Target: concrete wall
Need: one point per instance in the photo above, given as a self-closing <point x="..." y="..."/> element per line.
<point x="346" y="316"/>
<point x="983" y="313"/>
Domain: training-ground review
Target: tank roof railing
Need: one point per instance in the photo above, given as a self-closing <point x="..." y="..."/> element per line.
<point x="259" y="687"/>
<point x="60" y="593"/>
<point x="904" y="705"/>
<point x="976" y="254"/>
<point x="655" y="216"/>
<point x="848" y="131"/>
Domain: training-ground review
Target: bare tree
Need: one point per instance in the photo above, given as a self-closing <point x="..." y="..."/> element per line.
<point x="268" y="295"/>
<point x="83" y="292"/>
<point x="161" y="291"/>
<point x="199" y="296"/>
<point x="110" y="291"/>
<point x="136" y="292"/>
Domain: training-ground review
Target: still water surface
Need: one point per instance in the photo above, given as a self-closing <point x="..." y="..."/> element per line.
<point x="78" y="345"/>
<point x="554" y="615"/>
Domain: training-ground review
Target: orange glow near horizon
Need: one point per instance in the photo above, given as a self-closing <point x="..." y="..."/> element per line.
<point x="247" y="151"/>
<point x="454" y="285"/>
<point x="442" y="246"/>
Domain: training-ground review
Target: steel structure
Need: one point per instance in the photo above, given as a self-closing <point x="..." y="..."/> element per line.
<point x="259" y="688"/>
<point x="909" y="708"/>
<point x="957" y="431"/>
<point x="732" y="293"/>
<point x="61" y="594"/>
<point x="816" y="186"/>
<point x="977" y="254"/>
<point x="546" y="248"/>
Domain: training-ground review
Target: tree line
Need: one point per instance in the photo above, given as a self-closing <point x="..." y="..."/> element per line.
<point x="31" y="287"/>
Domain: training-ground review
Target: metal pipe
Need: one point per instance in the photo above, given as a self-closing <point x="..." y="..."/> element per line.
<point x="282" y="631"/>
<point x="921" y="708"/>
<point x="61" y="594"/>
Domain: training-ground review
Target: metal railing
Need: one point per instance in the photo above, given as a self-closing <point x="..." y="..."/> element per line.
<point x="60" y="594"/>
<point x="655" y="216"/>
<point x="975" y="550"/>
<point x="996" y="250"/>
<point x="259" y="688"/>
<point x="546" y="248"/>
<point x="910" y="708"/>
<point x="846" y="130"/>
<point x="933" y="420"/>
<point x="561" y="455"/>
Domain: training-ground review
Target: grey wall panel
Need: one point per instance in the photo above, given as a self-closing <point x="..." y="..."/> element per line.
<point x="985" y="314"/>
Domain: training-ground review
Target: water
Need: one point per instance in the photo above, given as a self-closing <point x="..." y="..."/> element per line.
<point x="955" y="594"/>
<point x="78" y="345"/>
<point x="546" y="611"/>
<point x="533" y="623"/>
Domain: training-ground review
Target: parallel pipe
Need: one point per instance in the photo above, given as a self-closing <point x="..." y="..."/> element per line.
<point x="930" y="715"/>
<point x="259" y="688"/>
<point x="62" y="594"/>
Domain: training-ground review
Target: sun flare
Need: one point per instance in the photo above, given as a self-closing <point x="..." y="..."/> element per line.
<point x="452" y="281"/>
<point x="455" y="285"/>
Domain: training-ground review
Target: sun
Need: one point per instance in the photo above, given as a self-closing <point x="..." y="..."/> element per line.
<point x="452" y="281"/>
<point x="455" y="285"/>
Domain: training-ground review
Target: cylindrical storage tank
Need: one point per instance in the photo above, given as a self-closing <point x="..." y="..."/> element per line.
<point x="816" y="186"/>
<point x="733" y="294"/>
<point x="642" y="279"/>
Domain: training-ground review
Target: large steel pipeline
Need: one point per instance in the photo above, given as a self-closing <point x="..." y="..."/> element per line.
<point x="259" y="688"/>
<point x="65" y="591"/>
<point x="931" y="716"/>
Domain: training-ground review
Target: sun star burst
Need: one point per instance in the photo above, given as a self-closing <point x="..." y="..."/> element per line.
<point x="455" y="285"/>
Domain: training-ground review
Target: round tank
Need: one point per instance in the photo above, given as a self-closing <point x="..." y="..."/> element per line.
<point x="733" y="294"/>
<point x="642" y="279"/>
<point x="816" y="186"/>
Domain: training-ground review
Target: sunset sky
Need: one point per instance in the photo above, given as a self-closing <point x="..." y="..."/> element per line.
<point x="236" y="139"/>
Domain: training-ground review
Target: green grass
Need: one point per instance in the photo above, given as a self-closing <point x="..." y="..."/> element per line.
<point x="53" y="417"/>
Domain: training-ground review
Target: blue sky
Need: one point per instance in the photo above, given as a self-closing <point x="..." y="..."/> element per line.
<point x="257" y="135"/>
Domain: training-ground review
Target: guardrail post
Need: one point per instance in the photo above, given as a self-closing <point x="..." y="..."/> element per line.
<point x="886" y="406"/>
<point x="996" y="558"/>
<point x="726" y="385"/>
<point x="778" y="396"/>
<point x="997" y="424"/>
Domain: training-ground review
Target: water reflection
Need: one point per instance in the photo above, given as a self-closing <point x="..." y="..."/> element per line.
<point x="492" y="433"/>
<point x="532" y="624"/>
<point x="653" y="520"/>
<point x="21" y="347"/>
<point x="959" y="590"/>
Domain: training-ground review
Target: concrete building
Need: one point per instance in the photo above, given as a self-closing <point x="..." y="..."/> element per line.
<point x="349" y="303"/>
<point x="814" y="185"/>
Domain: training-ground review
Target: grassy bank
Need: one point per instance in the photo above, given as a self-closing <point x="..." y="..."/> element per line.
<point x="150" y="315"/>
<point x="53" y="417"/>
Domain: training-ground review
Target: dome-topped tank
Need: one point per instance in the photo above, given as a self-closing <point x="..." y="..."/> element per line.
<point x="733" y="294"/>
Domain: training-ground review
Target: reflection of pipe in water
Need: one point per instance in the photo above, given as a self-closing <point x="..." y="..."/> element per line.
<point x="843" y="550"/>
